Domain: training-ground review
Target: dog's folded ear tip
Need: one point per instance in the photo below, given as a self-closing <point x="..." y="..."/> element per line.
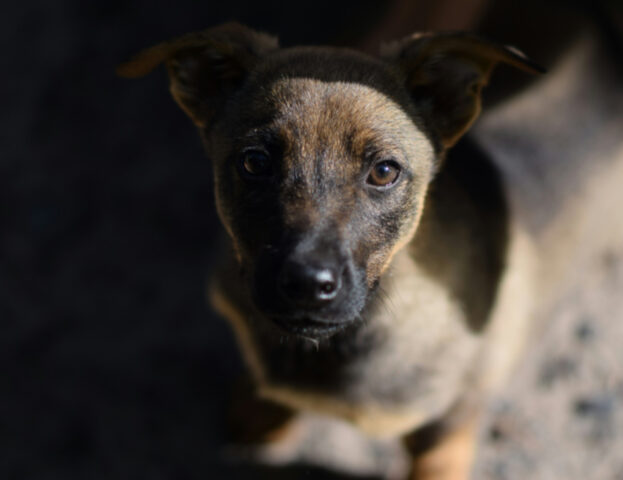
<point x="126" y="70"/>
<point x="526" y="63"/>
<point x="144" y="61"/>
<point x="537" y="69"/>
<point x="529" y="66"/>
<point x="135" y="68"/>
<point x="459" y="44"/>
<point x="534" y="68"/>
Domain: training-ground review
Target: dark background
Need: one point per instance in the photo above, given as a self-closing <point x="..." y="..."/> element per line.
<point x="112" y="364"/>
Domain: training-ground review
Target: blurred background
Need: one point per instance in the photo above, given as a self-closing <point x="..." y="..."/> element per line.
<point x="112" y="364"/>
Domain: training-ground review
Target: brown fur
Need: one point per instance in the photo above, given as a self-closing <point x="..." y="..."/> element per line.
<point x="422" y="261"/>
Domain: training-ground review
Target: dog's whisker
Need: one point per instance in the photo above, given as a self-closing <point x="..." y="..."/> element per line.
<point x="315" y="342"/>
<point x="386" y="302"/>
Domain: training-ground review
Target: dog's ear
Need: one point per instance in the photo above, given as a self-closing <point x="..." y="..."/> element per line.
<point x="445" y="73"/>
<point x="204" y="67"/>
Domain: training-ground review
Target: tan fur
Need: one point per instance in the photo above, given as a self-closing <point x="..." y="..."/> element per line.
<point x="449" y="460"/>
<point x="511" y="324"/>
<point x="373" y="420"/>
<point x="245" y="342"/>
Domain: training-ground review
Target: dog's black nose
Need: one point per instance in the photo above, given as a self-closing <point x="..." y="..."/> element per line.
<point x="308" y="285"/>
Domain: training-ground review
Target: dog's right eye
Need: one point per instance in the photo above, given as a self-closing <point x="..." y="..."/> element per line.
<point x="384" y="174"/>
<point x="255" y="163"/>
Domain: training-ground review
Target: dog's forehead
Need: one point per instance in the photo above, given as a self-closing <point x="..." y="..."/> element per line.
<point x="352" y="118"/>
<point x="338" y="107"/>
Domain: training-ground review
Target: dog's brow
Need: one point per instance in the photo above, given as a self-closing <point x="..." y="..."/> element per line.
<point x="260" y="133"/>
<point x="377" y="146"/>
<point x="261" y="136"/>
<point x="372" y="150"/>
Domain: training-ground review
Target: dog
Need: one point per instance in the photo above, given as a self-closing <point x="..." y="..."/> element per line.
<point x="370" y="272"/>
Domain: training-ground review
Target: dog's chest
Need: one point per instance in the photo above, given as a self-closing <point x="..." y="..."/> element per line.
<point x="395" y="372"/>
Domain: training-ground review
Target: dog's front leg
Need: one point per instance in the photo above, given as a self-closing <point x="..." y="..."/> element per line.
<point x="443" y="456"/>
<point x="254" y="420"/>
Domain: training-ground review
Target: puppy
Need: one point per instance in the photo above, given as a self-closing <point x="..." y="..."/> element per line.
<point x="368" y="274"/>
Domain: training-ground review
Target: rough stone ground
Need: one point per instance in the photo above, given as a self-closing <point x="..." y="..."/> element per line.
<point x="561" y="415"/>
<point x="112" y="366"/>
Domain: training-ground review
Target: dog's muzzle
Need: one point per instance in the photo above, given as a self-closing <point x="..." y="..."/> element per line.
<point x="314" y="293"/>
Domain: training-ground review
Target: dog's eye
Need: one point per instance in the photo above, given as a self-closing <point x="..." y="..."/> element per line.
<point x="255" y="163"/>
<point x="384" y="174"/>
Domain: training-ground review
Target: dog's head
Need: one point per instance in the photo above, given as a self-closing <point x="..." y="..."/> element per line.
<point x="322" y="157"/>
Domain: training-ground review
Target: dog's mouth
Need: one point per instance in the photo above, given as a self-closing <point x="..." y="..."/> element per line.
<point x="309" y="328"/>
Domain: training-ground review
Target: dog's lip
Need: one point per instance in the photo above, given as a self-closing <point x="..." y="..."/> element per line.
<point x="309" y="327"/>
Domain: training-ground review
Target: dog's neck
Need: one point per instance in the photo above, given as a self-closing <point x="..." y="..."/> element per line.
<point x="463" y="234"/>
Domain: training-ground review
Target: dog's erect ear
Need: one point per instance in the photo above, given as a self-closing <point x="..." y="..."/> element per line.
<point x="204" y="67"/>
<point x="445" y="73"/>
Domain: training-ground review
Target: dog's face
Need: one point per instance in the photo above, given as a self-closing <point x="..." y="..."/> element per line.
<point x="322" y="157"/>
<point x="317" y="184"/>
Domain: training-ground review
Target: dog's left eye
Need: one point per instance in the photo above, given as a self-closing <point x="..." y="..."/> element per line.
<point x="255" y="163"/>
<point x="384" y="174"/>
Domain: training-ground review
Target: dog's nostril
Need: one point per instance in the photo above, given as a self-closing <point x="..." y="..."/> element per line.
<point x="326" y="285"/>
